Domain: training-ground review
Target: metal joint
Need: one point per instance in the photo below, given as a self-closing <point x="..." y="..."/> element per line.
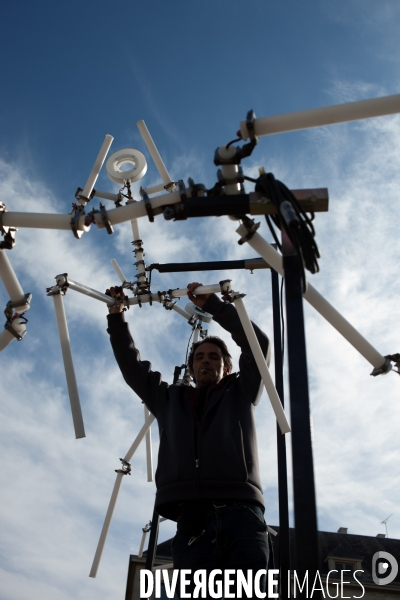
<point x="8" y="326"/>
<point x="125" y="467"/>
<point x="251" y="227"/>
<point x="9" y="237"/>
<point x="250" y="118"/>
<point x="239" y="178"/>
<point x="170" y="187"/>
<point x="75" y="216"/>
<point x="105" y="219"/>
<point x="387" y="365"/>
<point x="195" y="188"/>
<point x="147" y="203"/>
<point x="11" y="305"/>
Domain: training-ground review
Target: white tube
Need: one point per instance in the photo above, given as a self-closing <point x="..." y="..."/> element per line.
<point x="114" y="496"/>
<point x="5" y="339"/>
<point x="135" y="230"/>
<point x="41" y="221"/>
<point x="182" y="312"/>
<point x="139" y="438"/>
<point x="106" y="526"/>
<point x="327" y="115"/>
<point x="118" y="270"/>
<point x="135" y="210"/>
<point x="144" y="298"/>
<point x="9" y="278"/>
<point x="149" y="453"/>
<point x="319" y="303"/>
<point x="202" y="289"/>
<point x="196" y="335"/>
<point x="148" y="140"/>
<point x="83" y="289"/>
<point x="69" y="367"/>
<point x="106" y="195"/>
<point x="344" y="327"/>
<point x="87" y="190"/>
<point x="140" y="553"/>
<point x="154" y="189"/>
<point x="262" y="366"/>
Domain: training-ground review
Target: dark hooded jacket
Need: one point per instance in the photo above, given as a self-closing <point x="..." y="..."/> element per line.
<point x="218" y="458"/>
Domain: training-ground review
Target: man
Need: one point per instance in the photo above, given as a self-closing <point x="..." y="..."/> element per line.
<point x="207" y="476"/>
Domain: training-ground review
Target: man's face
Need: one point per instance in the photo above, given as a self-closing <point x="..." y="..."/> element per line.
<point x="208" y="365"/>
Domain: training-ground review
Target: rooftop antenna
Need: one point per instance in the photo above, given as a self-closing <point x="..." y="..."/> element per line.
<point x="385" y="522"/>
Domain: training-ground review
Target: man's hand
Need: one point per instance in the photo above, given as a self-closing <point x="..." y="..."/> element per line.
<point x="200" y="299"/>
<point x="118" y="293"/>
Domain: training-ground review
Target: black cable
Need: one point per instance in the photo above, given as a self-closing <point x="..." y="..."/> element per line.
<point x="292" y="218"/>
<point x="232" y="142"/>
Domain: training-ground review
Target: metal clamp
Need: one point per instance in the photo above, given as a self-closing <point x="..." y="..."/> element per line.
<point x="250" y="118"/>
<point x="8" y="326"/>
<point x="387" y="365"/>
<point x="11" y="305"/>
<point x="75" y="216"/>
<point x="80" y="197"/>
<point x="125" y="467"/>
<point x="105" y="219"/>
<point x="239" y="177"/>
<point x="251" y="227"/>
<point x="170" y="187"/>
<point x="195" y="188"/>
<point x="147" y="203"/>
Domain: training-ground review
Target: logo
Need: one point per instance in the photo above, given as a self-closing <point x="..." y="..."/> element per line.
<point x="385" y="564"/>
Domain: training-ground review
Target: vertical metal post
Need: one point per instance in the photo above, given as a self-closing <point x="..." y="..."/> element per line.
<point x="284" y="534"/>
<point x="151" y="550"/>
<point x="305" y="510"/>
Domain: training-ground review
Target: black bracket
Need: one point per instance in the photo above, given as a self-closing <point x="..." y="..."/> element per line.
<point x="79" y="196"/>
<point x="147" y="203"/>
<point x="387" y="365"/>
<point x="251" y="227"/>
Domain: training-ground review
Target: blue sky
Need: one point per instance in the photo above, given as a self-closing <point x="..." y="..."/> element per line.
<point x="75" y="72"/>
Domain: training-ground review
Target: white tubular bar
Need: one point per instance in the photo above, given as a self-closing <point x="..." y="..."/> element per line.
<point x="143" y="299"/>
<point x="327" y="115"/>
<point x="182" y="312"/>
<point x="87" y="190"/>
<point x="106" y="525"/>
<point x="139" y="438"/>
<point x="155" y="155"/>
<point x="135" y="210"/>
<point x="203" y="289"/>
<point x="319" y="303"/>
<point x="135" y="230"/>
<point x="41" y="221"/>
<point x="106" y="195"/>
<point x="83" y="289"/>
<point x="262" y="366"/>
<point x="114" y="496"/>
<point x="144" y="535"/>
<point x="196" y="335"/>
<point x="69" y="367"/>
<point x="9" y="278"/>
<point x="154" y="189"/>
<point x="149" y="453"/>
<point x="5" y="339"/>
<point x="118" y="270"/>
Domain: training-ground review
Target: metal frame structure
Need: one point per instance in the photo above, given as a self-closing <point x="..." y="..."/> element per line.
<point x="179" y="202"/>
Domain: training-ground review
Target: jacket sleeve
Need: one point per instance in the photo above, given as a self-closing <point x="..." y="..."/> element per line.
<point x="226" y="315"/>
<point x="147" y="384"/>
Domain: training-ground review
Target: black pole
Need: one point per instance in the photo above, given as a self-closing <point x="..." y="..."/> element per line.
<point x="305" y="510"/>
<point x="284" y="533"/>
<point x="152" y="547"/>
